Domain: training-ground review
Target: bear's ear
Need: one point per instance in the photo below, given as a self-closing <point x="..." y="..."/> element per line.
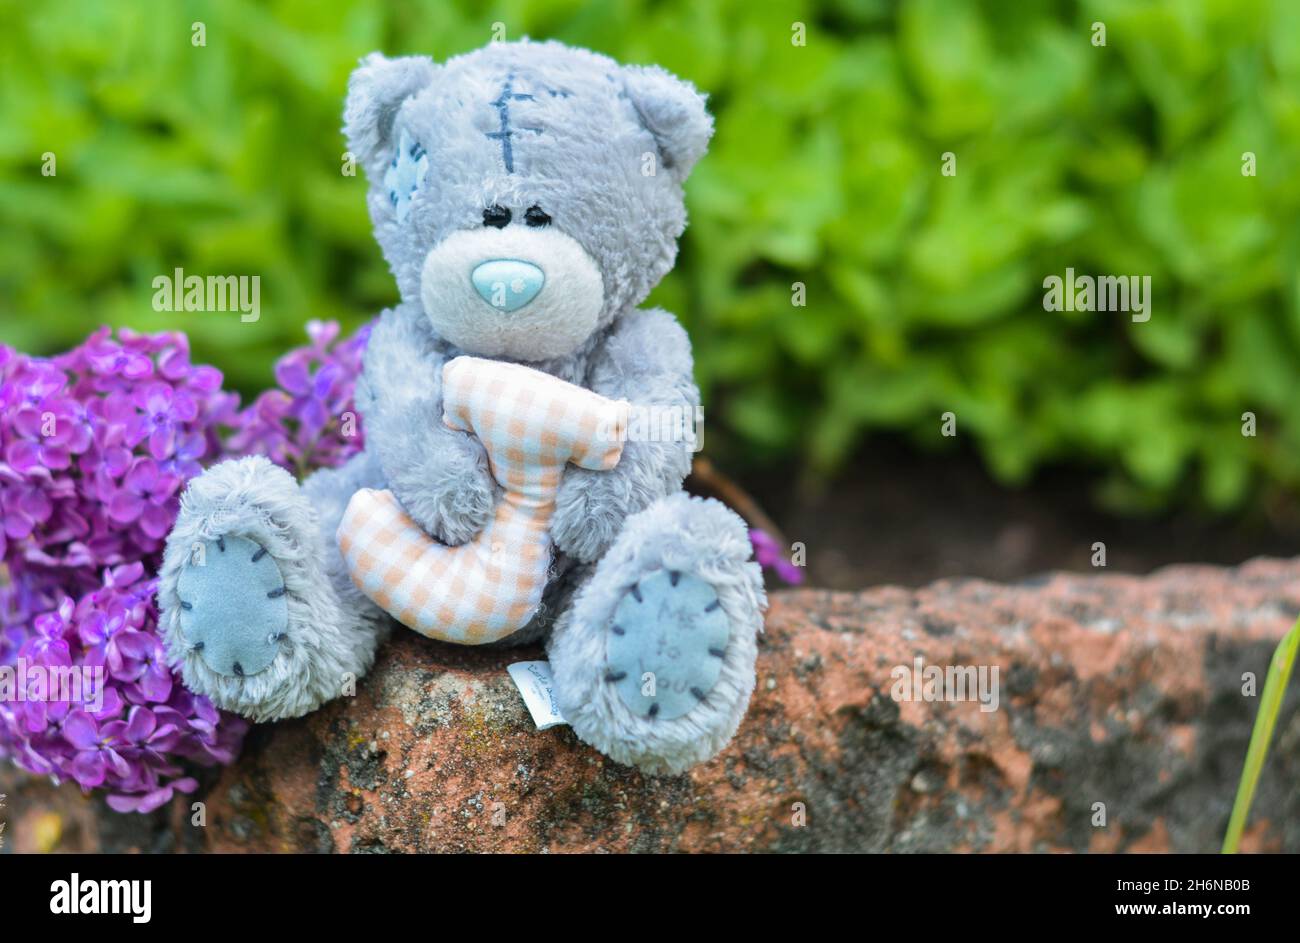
<point x="376" y="90"/>
<point x="673" y="111"/>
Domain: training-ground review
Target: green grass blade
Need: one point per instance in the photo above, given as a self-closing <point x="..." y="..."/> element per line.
<point x="1279" y="673"/>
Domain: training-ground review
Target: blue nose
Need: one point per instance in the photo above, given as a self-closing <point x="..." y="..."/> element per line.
<point x="508" y="284"/>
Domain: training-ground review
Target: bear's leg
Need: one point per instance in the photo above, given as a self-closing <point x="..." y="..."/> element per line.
<point x="654" y="660"/>
<point x="255" y="607"/>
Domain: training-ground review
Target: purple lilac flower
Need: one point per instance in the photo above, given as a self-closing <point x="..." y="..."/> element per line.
<point x="95" y="447"/>
<point x="143" y="493"/>
<point x="770" y="556"/>
<point x="161" y="411"/>
<point x="310" y="421"/>
<point x="133" y="725"/>
<point x="96" y="751"/>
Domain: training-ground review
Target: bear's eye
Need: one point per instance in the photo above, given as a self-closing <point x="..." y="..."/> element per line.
<point x="536" y="216"/>
<point x="497" y="216"/>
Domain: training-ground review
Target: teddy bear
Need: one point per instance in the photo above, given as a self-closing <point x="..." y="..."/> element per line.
<point x="527" y="196"/>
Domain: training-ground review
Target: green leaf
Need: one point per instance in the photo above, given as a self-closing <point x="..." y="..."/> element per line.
<point x="1270" y="703"/>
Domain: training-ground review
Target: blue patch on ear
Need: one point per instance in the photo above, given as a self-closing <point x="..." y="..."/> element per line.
<point x="405" y="175"/>
<point x="671" y="626"/>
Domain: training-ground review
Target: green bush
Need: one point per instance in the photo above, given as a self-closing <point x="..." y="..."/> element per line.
<point x="924" y="291"/>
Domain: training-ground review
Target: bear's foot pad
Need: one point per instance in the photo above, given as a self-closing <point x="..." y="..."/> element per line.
<point x="666" y="644"/>
<point x="234" y="609"/>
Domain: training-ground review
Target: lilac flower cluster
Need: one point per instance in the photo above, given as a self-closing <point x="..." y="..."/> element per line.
<point x="127" y="722"/>
<point x="770" y="556"/>
<point x="95" y="448"/>
<point x="309" y="421"/>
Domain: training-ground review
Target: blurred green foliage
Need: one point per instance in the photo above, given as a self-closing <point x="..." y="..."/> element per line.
<point x="924" y="292"/>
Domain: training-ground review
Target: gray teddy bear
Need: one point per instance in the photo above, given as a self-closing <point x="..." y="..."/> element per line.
<point x="561" y="172"/>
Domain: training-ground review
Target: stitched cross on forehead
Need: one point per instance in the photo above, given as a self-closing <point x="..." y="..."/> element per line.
<point x="507" y="130"/>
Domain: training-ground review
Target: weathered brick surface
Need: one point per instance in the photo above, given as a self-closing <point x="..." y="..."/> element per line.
<point x="1114" y="689"/>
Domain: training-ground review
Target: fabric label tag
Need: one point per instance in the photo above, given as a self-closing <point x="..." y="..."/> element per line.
<point x="534" y="681"/>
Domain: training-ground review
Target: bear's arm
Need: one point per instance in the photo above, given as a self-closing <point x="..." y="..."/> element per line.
<point x="440" y="476"/>
<point x="646" y="360"/>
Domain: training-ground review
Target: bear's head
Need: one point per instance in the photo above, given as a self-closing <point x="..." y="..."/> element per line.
<point x="524" y="194"/>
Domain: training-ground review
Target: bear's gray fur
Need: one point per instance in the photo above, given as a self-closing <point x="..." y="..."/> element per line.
<point x="588" y="157"/>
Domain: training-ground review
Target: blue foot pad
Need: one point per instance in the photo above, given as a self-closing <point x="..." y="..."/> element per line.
<point x="666" y="644"/>
<point x="233" y="606"/>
